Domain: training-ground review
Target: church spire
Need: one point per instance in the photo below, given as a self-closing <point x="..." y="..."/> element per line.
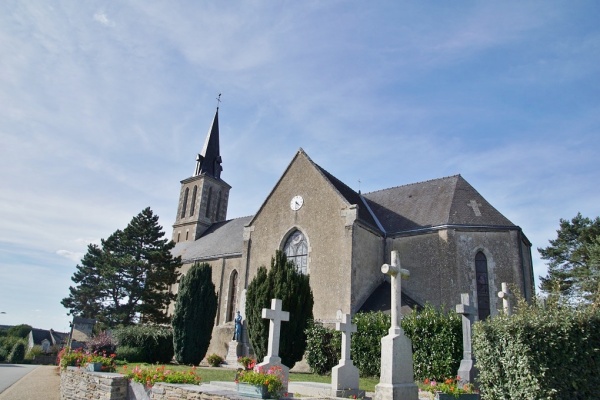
<point x="209" y="160"/>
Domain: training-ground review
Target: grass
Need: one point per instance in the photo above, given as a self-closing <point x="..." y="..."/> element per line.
<point x="209" y="374"/>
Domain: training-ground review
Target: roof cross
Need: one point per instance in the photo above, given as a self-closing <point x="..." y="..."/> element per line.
<point x="218" y="101"/>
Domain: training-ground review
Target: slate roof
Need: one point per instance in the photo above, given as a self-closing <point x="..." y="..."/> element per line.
<point x="51" y="335"/>
<point x="444" y="201"/>
<point x="381" y="299"/>
<point x="224" y="238"/>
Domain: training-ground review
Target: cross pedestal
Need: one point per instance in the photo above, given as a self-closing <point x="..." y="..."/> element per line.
<point x="467" y="370"/>
<point x="276" y="315"/>
<point x="397" y="377"/>
<point x="504" y="294"/>
<point x="344" y="376"/>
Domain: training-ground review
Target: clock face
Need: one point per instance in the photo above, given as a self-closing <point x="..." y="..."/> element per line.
<point x="296" y="203"/>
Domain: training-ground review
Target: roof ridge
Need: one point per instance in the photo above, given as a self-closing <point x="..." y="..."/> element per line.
<point x="415" y="183"/>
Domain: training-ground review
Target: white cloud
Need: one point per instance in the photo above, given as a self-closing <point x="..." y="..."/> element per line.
<point x="101" y="17"/>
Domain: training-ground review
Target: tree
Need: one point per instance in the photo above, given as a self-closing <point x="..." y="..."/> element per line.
<point x="283" y="282"/>
<point x="127" y="278"/>
<point x="574" y="260"/>
<point x="21" y="330"/>
<point x="194" y="314"/>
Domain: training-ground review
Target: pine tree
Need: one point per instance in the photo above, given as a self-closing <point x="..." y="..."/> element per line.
<point x="194" y="314"/>
<point x="284" y="282"/>
<point x="128" y="277"/>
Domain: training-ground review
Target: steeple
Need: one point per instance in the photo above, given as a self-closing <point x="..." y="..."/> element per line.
<point x="209" y="160"/>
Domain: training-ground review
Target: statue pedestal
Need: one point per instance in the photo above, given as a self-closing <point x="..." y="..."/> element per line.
<point x="234" y="352"/>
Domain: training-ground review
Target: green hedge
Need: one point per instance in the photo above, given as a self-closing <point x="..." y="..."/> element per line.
<point x="17" y="354"/>
<point x="539" y="353"/>
<point x="323" y="348"/>
<point x="154" y="341"/>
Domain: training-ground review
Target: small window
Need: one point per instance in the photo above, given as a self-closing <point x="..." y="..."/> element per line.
<point x="185" y="199"/>
<point x="296" y="250"/>
<point x="193" y="207"/>
<point x="208" y="198"/>
<point x="483" y="286"/>
<point x="217" y="218"/>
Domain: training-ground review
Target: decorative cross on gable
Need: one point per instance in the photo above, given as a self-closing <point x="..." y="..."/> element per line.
<point x="475" y="206"/>
<point x="396" y="273"/>
<point x="505" y="295"/>
<point x="276" y="315"/>
<point x="347" y="328"/>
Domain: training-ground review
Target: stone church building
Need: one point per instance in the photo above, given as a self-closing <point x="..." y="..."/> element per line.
<point x="448" y="236"/>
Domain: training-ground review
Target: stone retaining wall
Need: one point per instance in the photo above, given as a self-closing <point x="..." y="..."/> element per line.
<point x="79" y="384"/>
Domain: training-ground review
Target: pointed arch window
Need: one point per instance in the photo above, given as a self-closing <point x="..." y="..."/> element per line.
<point x="483" y="286"/>
<point x="233" y="283"/>
<point x="185" y="199"/>
<point x="193" y="206"/>
<point x="208" y="199"/>
<point x="296" y="250"/>
<point x="218" y="206"/>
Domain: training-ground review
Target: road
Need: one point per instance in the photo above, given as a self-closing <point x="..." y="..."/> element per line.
<point x="10" y="373"/>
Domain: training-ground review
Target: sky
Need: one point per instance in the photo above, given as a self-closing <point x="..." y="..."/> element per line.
<point x="105" y="105"/>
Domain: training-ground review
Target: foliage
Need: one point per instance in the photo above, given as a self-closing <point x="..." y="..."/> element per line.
<point x="36" y="350"/>
<point x="7" y="343"/>
<point x="283" y="282"/>
<point x="3" y="354"/>
<point x="17" y="354"/>
<point x="149" y="376"/>
<point x="550" y="352"/>
<point x="574" y="260"/>
<point x="366" y="342"/>
<point x="102" y="342"/>
<point x="129" y="275"/>
<point x="215" y="360"/>
<point x="130" y="354"/>
<point x="194" y="314"/>
<point x="155" y="341"/>
<point x="446" y="386"/>
<point x="436" y="341"/>
<point x="247" y="362"/>
<point x="80" y="358"/>
<point x="20" y="331"/>
<point x="323" y="348"/>
<point x="273" y="379"/>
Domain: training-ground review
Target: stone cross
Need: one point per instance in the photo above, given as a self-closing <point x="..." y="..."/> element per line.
<point x="276" y="315"/>
<point x="347" y="328"/>
<point x="466" y="371"/>
<point x="396" y="273"/>
<point x="504" y="294"/>
<point x="475" y="206"/>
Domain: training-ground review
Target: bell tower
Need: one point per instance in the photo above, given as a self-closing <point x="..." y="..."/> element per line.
<point x="204" y="196"/>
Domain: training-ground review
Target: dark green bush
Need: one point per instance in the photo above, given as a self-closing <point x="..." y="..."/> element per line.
<point x="539" y="353"/>
<point x="155" y="341"/>
<point x="3" y="354"/>
<point x="130" y="354"/>
<point x="17" y="354"/>
<point x="323" y="348"/>
<point x="366" y="342"/>
<point x="436" y="338"/>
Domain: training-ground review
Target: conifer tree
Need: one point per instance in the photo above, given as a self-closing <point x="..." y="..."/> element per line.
<point x="284" y="282"/>
<point x="194" y="314"/>
<point x="127" y="278"/>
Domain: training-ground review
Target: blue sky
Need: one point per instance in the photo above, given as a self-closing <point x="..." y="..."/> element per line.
<point x="106" y="104"/>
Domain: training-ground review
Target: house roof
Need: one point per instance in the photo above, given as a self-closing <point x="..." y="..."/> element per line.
<point x="38" y="336"/>
<point x="225" y="238"/>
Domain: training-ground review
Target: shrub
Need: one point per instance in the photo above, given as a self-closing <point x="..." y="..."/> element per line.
<point x="366" y="342"/>
<point x="149" y="376"/>
<point x="80" y="358"/>
<point x="20" y="331"/>
<point x="194" y="315"/>
<point x="540" y="353"/>
<point x="130" y="354"/>
<point x="3" y="354"/>
<point x="155" y="341"/>
<point x="436" y="338"/>
<point x="17" y="354"/>
<point x="102" y="342"/>
<point x="33" y="352"/>
<point x="247" y="362"/>
<point x="284" y="282"/>
<point x="323" y="348"/>
<point x="273" y="379"/>
<point x="214" y="360"/>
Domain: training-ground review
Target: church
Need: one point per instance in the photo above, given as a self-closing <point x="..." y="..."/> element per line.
<point x="448" y="236"/>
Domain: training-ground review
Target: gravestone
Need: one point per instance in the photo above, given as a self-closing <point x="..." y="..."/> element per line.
<point x="396" y="381"/>
<point x="272" y="359"/>
<point x="505" y="295"/>
<point x="344" y="376"/>
<point x="467" y="370"/>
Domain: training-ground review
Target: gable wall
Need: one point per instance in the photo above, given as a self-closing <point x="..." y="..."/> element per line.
<point x="323" y="219"/>
<point x="367" y="259"/>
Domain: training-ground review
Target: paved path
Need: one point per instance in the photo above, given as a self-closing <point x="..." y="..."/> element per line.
<point x="29" y="382"/>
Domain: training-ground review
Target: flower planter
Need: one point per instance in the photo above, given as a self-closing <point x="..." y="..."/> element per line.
<point x="94" y="367"/>
<point x="444" y="396"/>
<point x="256" y="391"/>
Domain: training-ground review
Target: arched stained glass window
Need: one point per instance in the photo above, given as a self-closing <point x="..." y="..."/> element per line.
<point x="483" y="286"/>
<point x="193" y="207"/>
<point x="184" y="206"/>
<point x="233" y="282"/>
<point x="296" y="250"/>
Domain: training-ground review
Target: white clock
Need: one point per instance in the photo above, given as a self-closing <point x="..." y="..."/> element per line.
<point x="296" y="203"/>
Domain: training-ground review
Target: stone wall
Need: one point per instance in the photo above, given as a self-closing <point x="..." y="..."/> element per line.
<point x="77" y="383"/>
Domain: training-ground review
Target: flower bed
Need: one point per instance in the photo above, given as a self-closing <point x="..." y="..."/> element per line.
<point x="149" y="376"/>
<point x="80" y="358"/>
<point x="449" y="388"/>
<point x="271" y="380"/>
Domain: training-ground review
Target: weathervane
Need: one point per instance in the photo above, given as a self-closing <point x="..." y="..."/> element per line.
<point x="218" y="101"/>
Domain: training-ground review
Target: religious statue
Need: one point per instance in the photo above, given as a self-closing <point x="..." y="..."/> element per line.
<point x="237" y="333"/>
